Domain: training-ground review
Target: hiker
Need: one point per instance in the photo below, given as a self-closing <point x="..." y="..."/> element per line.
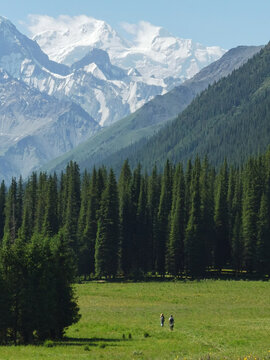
<point x="162" y="319"/>
<point x="171" y="322"/>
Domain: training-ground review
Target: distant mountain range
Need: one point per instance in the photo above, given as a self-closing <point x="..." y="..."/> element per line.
<point x="48" y="108"/>
<point x="35" y="127"/>
<point x="150" y="49"/>
<point x="113" y="144"/>
<point x="105" y="91"/>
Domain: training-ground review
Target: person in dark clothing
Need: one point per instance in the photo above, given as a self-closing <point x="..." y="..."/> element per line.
<point x="171" y="322"/>
<point x="162" y="319"/>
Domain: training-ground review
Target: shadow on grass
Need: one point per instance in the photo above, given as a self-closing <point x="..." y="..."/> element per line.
<point x="68" y="341"/>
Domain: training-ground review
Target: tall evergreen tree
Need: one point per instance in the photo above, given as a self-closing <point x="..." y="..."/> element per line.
<point x="126" y="217"/>
<point x="141" y="243"/>
<point x="11" y="214"/>
<point x="222" y="249"/>
<point x="84" y="255"/>
<point x="194" y="241"/>
<point x="50" y="222"/>
<point x="41" y="202"/>
<point x="236" y="228"/>
<point x="29" y="208"/>
<point x="263" y="238"/>
<point x="90" y="232"/>
<point x="2" y="208"/>
<point x="153" y="196"/>
<point x="251" y="207"/>
<point x="175" y="249"/>
<point x="107" y="244"/>
<point x="163" y="216"/>
<point x="207" y="211"/>
<point x="73" y="206"/>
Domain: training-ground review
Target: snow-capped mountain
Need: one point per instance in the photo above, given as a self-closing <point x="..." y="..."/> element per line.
<point x="153" y="51"/>
<point x="35" y="127"/>
<point x="105" y="91"/>
<point x="47" y="108"/>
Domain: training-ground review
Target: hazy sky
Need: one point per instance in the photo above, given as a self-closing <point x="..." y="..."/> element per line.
<point x="226" y="23"/>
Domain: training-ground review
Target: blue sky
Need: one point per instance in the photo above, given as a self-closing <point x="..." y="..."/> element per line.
<point x="226" y="23"/>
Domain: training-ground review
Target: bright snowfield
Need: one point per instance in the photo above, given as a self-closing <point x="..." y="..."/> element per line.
<point x="157" y="55"/>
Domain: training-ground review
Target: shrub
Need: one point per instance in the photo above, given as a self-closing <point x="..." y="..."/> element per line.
<point x="48" y="343"/>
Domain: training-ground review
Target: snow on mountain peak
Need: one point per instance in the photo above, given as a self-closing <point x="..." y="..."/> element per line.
<point x="153" y="51"/>
<point x="67" y="39"/>
<point x="4" y="20"/>
<point x="144" y="33"/>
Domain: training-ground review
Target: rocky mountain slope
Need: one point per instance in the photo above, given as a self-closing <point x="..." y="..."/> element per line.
<point x="107" y="96"/>
<point x="35" y="127"/>
<point x="100" y="149"/>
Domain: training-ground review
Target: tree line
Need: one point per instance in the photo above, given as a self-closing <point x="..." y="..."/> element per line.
<point x="187" y="221"/>
<point x="37" y="268"/>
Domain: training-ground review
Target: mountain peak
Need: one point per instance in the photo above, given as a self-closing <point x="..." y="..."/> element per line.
<point x="6" y="24"/>
<point x="97" y="56"/>
<point x="4" y="20"/>
<point x="151" y="49"/>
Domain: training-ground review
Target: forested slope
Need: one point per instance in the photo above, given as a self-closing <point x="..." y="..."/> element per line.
<point x="151" y="117"/>
<point x="230" y="119"/>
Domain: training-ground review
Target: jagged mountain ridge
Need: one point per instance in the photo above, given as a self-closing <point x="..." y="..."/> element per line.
<point x="105" y="99"/>
<point x="152" y="50"/>
<point x="35" y="127"/>
<point x="103" y="147"/>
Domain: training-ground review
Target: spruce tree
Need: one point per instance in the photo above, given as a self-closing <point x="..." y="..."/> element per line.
<point x="107" y="241"/>
<point x="50" y="222"/>
<point x="2" y="208"/>
<point x="72" y="206"/>
<point x="175" y="249"/>
<point x="141" y="243"/>
<point x="90" y="231"/>
<point x="65" y="310"/>
<point x="153" y="196"/>
<point x="11" y="214"/>
<point x="263" y="238"/>
<point x="84" y="255"/>
<point x="251" y="206"/>
<point x="126" y="218"/>
<point x="222" y="250"/>
<point x="194" y="241"/>
<point x="29" y="208"/>
<point x="5" y="310"/>
<point x="207" y="211"/>
<point x="41" y="202"/>
<point x="163" y="217"/>
<point x="236" y="225"/>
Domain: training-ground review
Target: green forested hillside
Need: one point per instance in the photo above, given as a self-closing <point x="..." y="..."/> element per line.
<point x="134" y="129"/>
<point x="230" y="119"/>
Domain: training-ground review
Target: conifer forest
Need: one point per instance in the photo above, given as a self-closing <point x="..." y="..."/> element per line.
<point x="190" y="221"/>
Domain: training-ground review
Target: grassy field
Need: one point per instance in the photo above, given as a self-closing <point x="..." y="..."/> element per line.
<point x="213" y="320"/>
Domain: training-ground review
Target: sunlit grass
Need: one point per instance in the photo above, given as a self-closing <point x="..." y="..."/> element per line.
<point x="213" y="320"/>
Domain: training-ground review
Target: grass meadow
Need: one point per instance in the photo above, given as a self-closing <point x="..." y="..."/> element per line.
<point x="213" y="320"/>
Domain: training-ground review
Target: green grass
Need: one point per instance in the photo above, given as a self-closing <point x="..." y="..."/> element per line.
<point x="213" y="320"/>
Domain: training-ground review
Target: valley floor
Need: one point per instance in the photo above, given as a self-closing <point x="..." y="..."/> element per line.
<point x="213" y="320"/>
